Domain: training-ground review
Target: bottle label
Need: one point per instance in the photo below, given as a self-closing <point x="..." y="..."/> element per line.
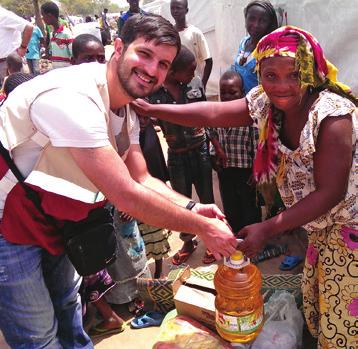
<point x="239" y="324"/>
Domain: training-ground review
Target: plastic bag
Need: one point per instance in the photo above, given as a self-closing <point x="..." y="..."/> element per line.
<point x="284" y="325"/>
<point x="183" y="332"/>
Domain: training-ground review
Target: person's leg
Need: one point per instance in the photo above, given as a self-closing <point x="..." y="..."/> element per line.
<point x="63" y="283"/>
<point x="202" y="178"/>
<point x="158" y="268"/>
<point x="36" y="66"/>
<point x="338" y="288"/>
<point x="110" y="319"/>
<point x="248" y="209"/>
<point x="180" y="180"/>
<point x="201" y="171"/>
<point x="229" y="197"/>
<point x="30" y="65"/>
<point x="27" y="317"/>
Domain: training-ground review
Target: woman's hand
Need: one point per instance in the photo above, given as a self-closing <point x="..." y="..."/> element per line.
<point x="255" y="237"/>
<point x="141" y="107"/>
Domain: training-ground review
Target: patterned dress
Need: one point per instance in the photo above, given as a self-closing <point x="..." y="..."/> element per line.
<point x="330" y="281"/>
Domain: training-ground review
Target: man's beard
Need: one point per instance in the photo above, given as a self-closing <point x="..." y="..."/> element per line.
<point x="124" y="78"/>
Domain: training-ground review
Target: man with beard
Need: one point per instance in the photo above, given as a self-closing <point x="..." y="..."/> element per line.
<point x="73" y="136"/>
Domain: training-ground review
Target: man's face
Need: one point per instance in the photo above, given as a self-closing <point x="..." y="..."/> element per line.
<point x="133" y="5"/>
<point x="91" y="52"/>
<point x="143" y="67"/>
<point x="47" y="18"/>
<point x="178" y="9"/>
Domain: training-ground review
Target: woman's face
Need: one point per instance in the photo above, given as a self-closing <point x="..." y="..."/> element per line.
<point x="257" y="22"/>
<point x="280" y="80"/>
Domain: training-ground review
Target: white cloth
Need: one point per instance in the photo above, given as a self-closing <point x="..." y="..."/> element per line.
<point x="194" y="39"/>
<point x="68" y="119"/>
<point x="11" y="28"/>
<point x="87" y="28"/>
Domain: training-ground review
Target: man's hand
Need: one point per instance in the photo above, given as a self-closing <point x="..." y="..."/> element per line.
<point x="209" y="210"/>
<point x="219" y="239"/>
<point x="255" y="236"/>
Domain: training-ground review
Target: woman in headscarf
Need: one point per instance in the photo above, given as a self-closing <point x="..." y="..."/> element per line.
<point x="308" y="129"/>
<point x="260" y="20"/>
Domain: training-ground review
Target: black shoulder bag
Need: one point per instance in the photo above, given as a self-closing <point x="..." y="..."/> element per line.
<point x="90" y="244"/>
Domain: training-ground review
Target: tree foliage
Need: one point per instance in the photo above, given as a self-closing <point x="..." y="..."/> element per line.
<point x="21" y="7"/>
<point x="70" y="7"/>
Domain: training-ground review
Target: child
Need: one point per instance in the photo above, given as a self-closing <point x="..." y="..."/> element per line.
<point x="155" y="239"/>
<point x="188" y="155"/>
<point x="87" y="48"/>
<point x="33" y="50"/>
<point x="193" y="38"/>
<point x="235" y="151"/>
<point x="13" y="63"/>
<point x="60" y="39"/>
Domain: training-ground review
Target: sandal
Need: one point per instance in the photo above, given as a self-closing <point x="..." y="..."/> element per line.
<point x="98" y="331"/>
<point x="181" y="257"/>
<point x="290" y="262"/>
<point x="150" y="318"/>
<point x="270" y="251"/>
<point x="208" y="258"/>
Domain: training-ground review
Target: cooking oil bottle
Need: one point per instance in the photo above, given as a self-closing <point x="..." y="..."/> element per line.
<point x="239" y="303"/>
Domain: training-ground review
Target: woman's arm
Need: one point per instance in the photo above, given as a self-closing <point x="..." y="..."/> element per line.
<point x="332" y="164"/>
<point x="212" y="114"/>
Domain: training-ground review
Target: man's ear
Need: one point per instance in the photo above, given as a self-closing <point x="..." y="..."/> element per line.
<point x="118" y="47"/>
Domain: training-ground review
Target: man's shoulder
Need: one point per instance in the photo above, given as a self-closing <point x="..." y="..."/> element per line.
<point x="193" y="29"/>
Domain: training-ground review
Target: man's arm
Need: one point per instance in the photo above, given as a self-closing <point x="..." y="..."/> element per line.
<point x="26" y="36"/>
<point x="107" y="171"/>
<point x="207" y="71"/>
<point x="138" y="170"/>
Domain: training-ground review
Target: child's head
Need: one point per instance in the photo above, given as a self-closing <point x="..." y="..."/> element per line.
<point x="15" y="80"/>
<point x="260" y="18"/>
<point x="50" y="13"/>
<point x="87" y="48"/>
<point x="231" y="86"/>
<point x="179" y="9"/>
<point x="144" y="121"/>
<point x="13" y="63"/>
<point x="183" y="67"/>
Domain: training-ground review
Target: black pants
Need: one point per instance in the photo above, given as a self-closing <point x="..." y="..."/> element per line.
<point x="238" y="197"/>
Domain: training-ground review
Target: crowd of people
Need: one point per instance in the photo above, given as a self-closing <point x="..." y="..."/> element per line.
<point x="87" y="127"/>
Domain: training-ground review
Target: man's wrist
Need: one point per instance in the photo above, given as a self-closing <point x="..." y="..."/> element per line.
<point x="190" y="205"/>
<point x="23" y="46"/>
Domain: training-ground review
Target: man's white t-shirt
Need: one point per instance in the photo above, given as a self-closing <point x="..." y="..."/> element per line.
<point x="194" y="39"/>
<point x="11" y="28"/>
<point x="68" y="119"/>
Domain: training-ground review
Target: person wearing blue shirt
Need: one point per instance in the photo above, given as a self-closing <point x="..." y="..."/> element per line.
<point x="33" y="51"/>
<point x="260" y="20"/>
<point x="133" y="10"/>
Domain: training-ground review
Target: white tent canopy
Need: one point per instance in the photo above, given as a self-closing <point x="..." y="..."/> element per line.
<point x="332" y="22"/>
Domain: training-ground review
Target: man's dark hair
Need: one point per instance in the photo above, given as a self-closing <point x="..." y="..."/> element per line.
<point x="50" y="8"/>
<point x="88" y="19"/>
<point x="15" y="80"/>
<point x="150" y="27"/>
<point x="268" y="7"/>
<point x="183" y="59"/>
<point x="80" y="42"/>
